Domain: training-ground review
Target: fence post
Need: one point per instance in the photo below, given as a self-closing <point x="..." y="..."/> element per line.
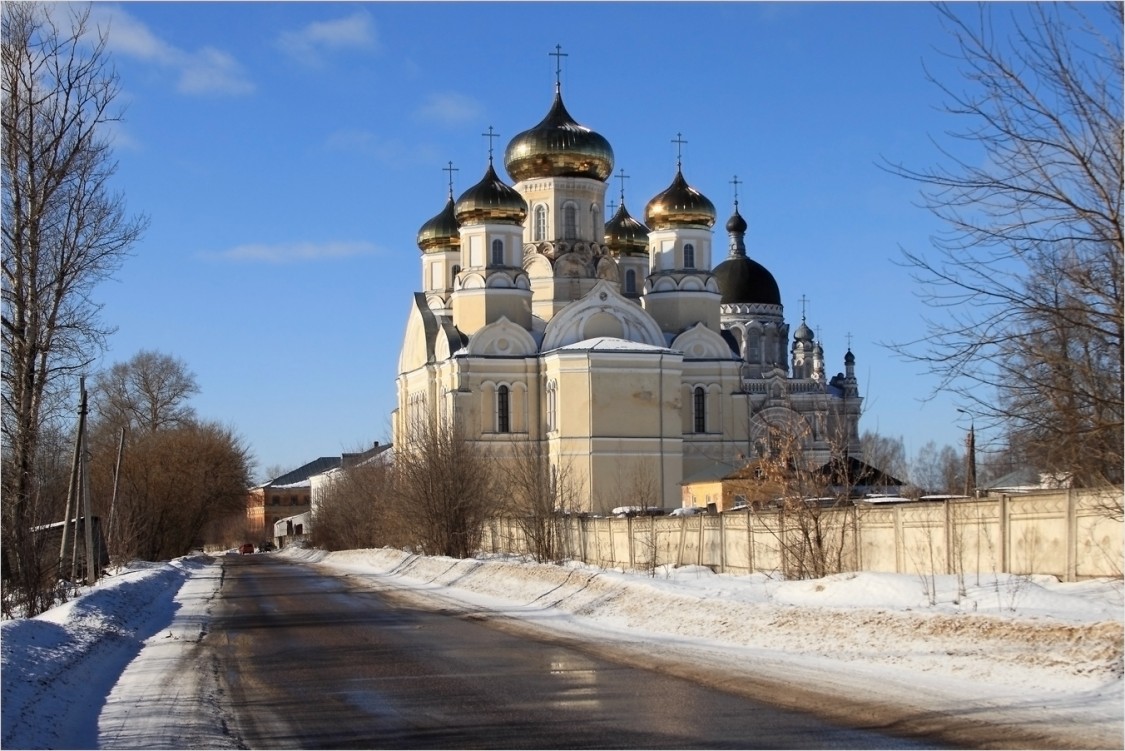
<point x="1005" y="533"/>
<point x="722" y="543"/>
<point x="1071" y="536"/>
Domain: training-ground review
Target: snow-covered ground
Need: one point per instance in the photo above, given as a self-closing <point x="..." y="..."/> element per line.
<point x="1025" y="651"/>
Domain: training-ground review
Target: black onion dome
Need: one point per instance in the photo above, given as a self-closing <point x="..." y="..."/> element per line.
<point x="803" y="333"/>
<point x="442" y="230"/>
<point x="744" y="281"/>
<point x="736" y="223"/>
<point x="559" y="147"/>
<point x="680" y="205"/>
<point x="490" y="200"/>
<point x="624" y="233"/>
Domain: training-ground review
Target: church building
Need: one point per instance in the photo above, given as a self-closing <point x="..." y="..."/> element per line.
<point x="620" y="347"/>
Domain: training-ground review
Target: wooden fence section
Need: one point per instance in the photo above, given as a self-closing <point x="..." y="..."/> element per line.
<point x="1070" y="534"/>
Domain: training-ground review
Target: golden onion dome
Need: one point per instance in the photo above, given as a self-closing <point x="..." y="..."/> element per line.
<point x="558" y="147"/>
<point x="624" y="234"/>
<point x="490" y="200"/>
<point x="442" y="231"/>
<point x="680" y="205"/>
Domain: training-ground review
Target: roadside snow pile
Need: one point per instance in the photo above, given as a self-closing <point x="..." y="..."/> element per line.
<point x="58" y="668"/>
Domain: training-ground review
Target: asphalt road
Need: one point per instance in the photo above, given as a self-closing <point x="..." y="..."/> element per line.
<point x="308" y="660"/>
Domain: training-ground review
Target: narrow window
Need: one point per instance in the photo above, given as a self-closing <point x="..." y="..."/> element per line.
<point x="503" y="416"/>
<point x="630" y="282"/>
<point x="689" y="256"/>
<point x="552" y="398"/>
<point x="570" y="222"/>
<point x="540" y="223"/>
<point x="497" y="252"/>
<point x="456" y="271"/>
<point x="700" y="410"/>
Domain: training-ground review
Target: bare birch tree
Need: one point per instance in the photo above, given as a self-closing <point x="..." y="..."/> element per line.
<point x="64" y="231"/>
<point x="1026" y="280"/>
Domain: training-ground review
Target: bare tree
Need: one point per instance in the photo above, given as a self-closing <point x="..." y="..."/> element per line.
<point x="1027" y="278"/>
<point x="807" y="506"/>
<point x="885" y="453"/>
<point x="539" y="493"/>
<point x="357" y="510"/>
<point x="446" y="490"/>
<point x="174" y="485"/>
<point x="147" y="393"/>
<point x="63" y="231"/>
<point x="938" y="470"/>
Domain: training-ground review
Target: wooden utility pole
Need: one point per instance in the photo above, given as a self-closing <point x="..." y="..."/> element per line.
<point x="72" y="489"/>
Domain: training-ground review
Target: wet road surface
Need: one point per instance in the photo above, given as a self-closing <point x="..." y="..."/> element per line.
<point x="313" y="661"/>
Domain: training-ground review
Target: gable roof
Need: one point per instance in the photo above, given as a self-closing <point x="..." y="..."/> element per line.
<point x="304" y="472"/>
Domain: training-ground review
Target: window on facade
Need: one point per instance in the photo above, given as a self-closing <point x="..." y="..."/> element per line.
<point x="570" y="222"/>
<point x="456" y="271"/>
<point x="552" y="406"/>
<point x="292" y="500"/>
<point x="503" y="410"/>
<point x="540" y="230"/>
<point x="753" y="347"/>
<point x="689" y="256"/>
<point x="497" y="252"/>
<point x="700" y="402"/>
<point x="631" y="282"/>
<point x="597" y="225"/>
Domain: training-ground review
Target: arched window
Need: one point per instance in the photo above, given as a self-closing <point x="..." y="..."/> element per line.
<point x="497" y="252"/>
<point x="689" y="256"/>
<point x="552" y="406"/>
<point x="630" y="282"/>
<point x="570" y="222"/>
<point x="503" y="412"/>
<point x="753" y="347"/>
<point x="598" y="226"/>
<point x="456" y="271"/>
<point x="540" y="229"/>
<point x="700" y="403"/>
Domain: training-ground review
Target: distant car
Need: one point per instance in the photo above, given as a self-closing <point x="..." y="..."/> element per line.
<point x="247" y="548"/>
<point x="265" y="547"/>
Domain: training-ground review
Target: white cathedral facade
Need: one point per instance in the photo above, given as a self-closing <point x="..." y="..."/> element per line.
<point x="620" y="347"/>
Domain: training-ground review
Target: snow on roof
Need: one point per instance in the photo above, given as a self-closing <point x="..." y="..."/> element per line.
<point x="612" y="344"/>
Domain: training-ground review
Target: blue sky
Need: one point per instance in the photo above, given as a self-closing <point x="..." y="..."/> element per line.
<point x="287" y="153"/>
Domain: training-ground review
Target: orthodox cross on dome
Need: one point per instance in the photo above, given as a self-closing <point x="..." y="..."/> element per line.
<point x="490" y="135"/>
<point x="622" y="177"/>
<point x="804" y="302"/>
<point x="613" y="207"/>
<point x="679" y="141"/>
<point x="736" y="182"/>
<point x="849" y="338"/>
<point x="558" y="54"/>
<point x="450" y="169"/>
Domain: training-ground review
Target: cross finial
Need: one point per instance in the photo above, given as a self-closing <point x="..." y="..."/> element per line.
<point x="622" y="177"/>
<point x="558" y="54"/>
<point x="679" y="141"/>
<point x="450" y="169"/>
<point x="736" y="182"/>
<point x="849" y="337"/>
<point x="490" y="135"/>
<point x="613" y="208"/>
<point x="804" y="302"/>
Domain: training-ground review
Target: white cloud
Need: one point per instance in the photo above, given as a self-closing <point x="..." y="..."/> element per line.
<point x="294" y="252"/>
<point x="203" y="71"/>
<point x="310" y="43"/>
<point x="449" y="108"/>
